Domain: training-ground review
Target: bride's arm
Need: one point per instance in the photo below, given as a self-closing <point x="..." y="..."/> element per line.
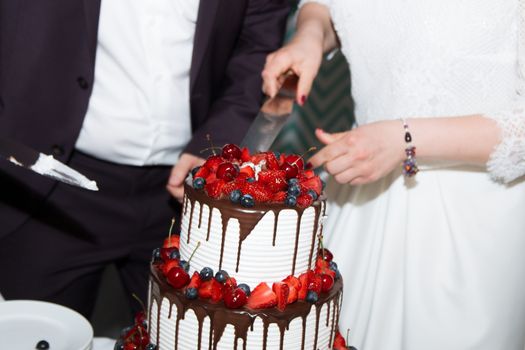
<point x="303" y="54"/>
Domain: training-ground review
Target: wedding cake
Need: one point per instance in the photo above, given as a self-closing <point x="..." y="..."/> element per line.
<point x="248" y="270"/>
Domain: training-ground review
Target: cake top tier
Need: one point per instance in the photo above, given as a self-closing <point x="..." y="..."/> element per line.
<point x="264" y="177"/>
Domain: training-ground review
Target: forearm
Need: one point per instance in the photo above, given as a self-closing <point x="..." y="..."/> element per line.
<point x="468" y="139"/>
<point x="314" y="23"/>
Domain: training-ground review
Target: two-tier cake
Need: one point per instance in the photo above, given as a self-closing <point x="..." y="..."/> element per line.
<point x="249" y="271"/>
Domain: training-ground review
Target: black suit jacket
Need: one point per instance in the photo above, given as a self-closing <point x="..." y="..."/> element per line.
<point x="47" y="56"/>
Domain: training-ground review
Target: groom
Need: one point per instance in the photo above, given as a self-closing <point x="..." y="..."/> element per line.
<point x="123" y="91"/>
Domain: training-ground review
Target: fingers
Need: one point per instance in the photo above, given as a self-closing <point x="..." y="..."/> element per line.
<point x="328" y="138"/>
<point x="179" y="173"/>
<point x="277" y="64"/>
<point x="304" y="86"/>
<point x="327" y="153"/>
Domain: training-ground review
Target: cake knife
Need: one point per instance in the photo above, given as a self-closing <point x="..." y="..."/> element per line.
<point x="273" y="115"/>
<point x="24" y="156"/>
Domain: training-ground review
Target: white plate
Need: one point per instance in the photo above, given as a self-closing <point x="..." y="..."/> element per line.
<point x="23" y="323"/>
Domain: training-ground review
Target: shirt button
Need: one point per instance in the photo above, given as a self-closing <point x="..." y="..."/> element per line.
<point x="82" y="82"/>
<point x="57" y="150"/>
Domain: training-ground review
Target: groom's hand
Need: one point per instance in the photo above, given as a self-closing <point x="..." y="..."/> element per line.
<point x="179" y="172"/>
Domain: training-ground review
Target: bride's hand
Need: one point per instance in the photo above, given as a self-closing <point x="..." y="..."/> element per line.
<point x="303" y="56"/>
<point x="362" y="155"/>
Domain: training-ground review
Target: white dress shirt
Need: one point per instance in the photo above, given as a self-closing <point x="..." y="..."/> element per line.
<point x="139" y="111"/>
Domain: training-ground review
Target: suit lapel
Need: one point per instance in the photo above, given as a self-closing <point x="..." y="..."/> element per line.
<point x="203" y="30"/>
<point x="92" y="12"/>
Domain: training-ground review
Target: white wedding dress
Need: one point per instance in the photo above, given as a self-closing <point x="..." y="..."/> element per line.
<point x="437" y="264"/>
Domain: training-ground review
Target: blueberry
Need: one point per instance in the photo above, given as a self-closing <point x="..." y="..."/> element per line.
<point x="312" y="297"/>
<point x="277" y="154"/>
<point x="185" y="265"/>
<point x="155" y="255"/>
<point x="245" y="288"/>
<point x="247" y="201"/>
<point x="119" y="345"/>
<point x="174" y="254"/>
<point x="294" y="190"/>
<point x="235" y="196"/>
<point x="151" y="347"/>
<point x="194" y="171"/>
<point x="206" y="273"/>
<point x="221" y="276"/>
<point x="323" y="183"/>
<point x="293" y="181"/>
<point x="333" y="266"/>
<point x="250" y="179"/>
<point x="313" y="194"/>
<point x="191" y="293"/>
<point x="337" y="275"/>
<point x="290" y="201"/>
<point x="125" y="331"/>
<point x="42" y="345"/>
<point x="199" y="183"/>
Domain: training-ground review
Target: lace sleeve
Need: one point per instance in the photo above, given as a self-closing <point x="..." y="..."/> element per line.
<point x="507" y="161"/>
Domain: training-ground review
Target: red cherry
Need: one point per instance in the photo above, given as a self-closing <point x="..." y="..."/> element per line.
<point x="291" y="170"/>
<point x="235" y="298"/>
<point x="327" y="256"/>
<point x="327" y="282"/>
<point x="130" y="346"/>
<point x="231" y="152"/>
<point x="227" y="171"/>
<point x="178" y="277"/>
<point x="295" y="160"/>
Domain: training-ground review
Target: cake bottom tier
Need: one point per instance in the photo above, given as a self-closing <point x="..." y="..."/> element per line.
<point x="177" y="323"/>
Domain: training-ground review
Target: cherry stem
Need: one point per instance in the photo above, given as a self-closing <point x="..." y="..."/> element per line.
<point x="311" y="149"/>
<point x="194" y="250"/>
<point x="169" y="233"/>
<point x="140" y="302"/>
<point x="211" y="143"/>
<point x="321" y="244"/>
<point x="347" y="335"/>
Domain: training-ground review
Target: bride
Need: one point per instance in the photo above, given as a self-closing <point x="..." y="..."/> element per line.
<point x="427" y="197"/>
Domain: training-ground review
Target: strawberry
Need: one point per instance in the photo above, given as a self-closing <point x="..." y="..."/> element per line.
<point x="304" y="201"/>
<point x="247" y="170"/>
<point x="313" y="183"/>
<point x="271" y="162"/>
<point x="304" y="278"/>
<point x="211" y="178"/>
<point x="195" y="281"/>
<point x="229" y="187"/>
<point x="257" y="191"/>
<point x="292" y="281"/>
<point x="213" y="162"/>
<point x="202" y="172"/>
<point x="339" y="342"/>
<point x="293" y="295"/>
<point x="279" y="197"/>
<point x="216" y="292"/>
<point x="282" y="291"/>
<point x="308" y="174"/>
<point x="172" y="241"/>
<point x="168" y="265"/>
<point x="245" y="155"/>
<point x="275" y="180"/>
<point x="230" y="282"/>
<point x="315" y="283"/>
<point x="214" y="189"/>
<point x="257" y="158"/>
<point x="262" y="297"/>
<point x="208" y="288"/>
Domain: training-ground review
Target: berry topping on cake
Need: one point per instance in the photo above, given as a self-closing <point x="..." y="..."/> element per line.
<point x="262" y="297"/>
<point x="281" y="290"/>
<point x="266" y="177"/>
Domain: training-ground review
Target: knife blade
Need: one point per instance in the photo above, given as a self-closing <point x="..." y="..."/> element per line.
<point x="24" y="156"/>
<point x="273" y="115"/>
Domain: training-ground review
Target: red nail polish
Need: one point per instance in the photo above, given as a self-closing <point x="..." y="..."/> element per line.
<point x="303" y="100"/>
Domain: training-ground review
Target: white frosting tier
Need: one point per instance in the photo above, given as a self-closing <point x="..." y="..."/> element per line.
<point x="260" y="259"/>
<point x="188" y="330"/>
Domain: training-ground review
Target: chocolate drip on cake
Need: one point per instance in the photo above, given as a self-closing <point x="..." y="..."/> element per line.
<point x="241" y="319"/>
<point x="248" y="219"/>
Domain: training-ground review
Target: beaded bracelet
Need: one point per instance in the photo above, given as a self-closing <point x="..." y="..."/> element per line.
<point x="409" y="164"/>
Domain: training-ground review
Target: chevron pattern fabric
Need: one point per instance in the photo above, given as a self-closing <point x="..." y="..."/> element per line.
<point x="329" y="106"/>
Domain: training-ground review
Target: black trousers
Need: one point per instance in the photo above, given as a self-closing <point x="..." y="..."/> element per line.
<point x="59" y="254"/>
